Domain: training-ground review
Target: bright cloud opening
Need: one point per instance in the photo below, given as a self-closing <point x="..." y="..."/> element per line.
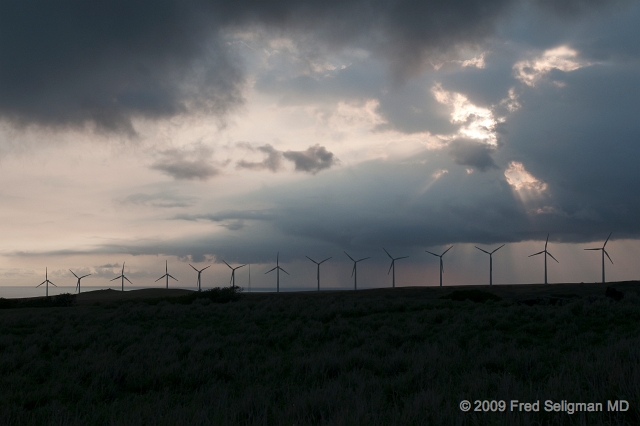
<point x="562" y="58"/>
<point x="522" y="181"/>
<point x="477" y="122"/>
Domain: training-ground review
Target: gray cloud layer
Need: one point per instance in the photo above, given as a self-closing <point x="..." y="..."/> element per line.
<point x="71" y="63"/>
<point x="312" y="160"/>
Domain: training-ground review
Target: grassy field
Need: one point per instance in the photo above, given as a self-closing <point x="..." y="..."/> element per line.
<point x="402" y="356"/>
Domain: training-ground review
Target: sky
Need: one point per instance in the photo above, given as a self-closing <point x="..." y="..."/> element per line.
<point x="197" y="132"/>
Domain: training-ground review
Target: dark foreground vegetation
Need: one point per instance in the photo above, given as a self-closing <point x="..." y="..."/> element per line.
<point x="404" y="356"/>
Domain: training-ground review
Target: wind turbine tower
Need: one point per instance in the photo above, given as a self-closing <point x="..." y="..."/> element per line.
<point x="318" y="263"/>
<point x="199" y="275"/>
<point x="603" y="253"/>
<point x="441" y="264"/>
<point x="393" y="266"/>
<point x="277" y="269"/>
<point x="490" y="262"/>
<point x="166" y="274"/>
<point x="46" y="281"/>
<point x="79" y="278"/>
<point x="233" y="274"/>
<point x="545" y="258"/>
<point x="354" y="271"/>
<point x="121" y="276"/>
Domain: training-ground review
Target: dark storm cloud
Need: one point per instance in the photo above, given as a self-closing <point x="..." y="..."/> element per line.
<point x="71" y="63"/>
<point x="193" y="164"/>
<point x="467" y="152"/>
<point x="312" y="160"/>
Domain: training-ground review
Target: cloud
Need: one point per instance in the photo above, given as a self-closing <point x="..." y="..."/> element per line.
<point x="312" y="160"/>
<point x="194" y="164"/>
<point x="561" y="58"/>
<point x="104" y="64"/>
<point x="468" y="152"/>
<point x="161" y="199"/>
<point x="272" y="161"/>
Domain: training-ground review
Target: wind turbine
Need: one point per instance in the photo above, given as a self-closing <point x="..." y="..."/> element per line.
<point x="441" y="264"/>
<point x="603" y="253"/>
<point x="277" y="269"/>
<point x="354" y="272"/>
<point x="122" y="277"/>
<point x="490" y="262"/>
<point x="46" y="281"/>
<point x="545" y="258"/>
<point x="79" y="278"/>
<point x="318" y="263"/>
<point x="233" y="274"/>
<point x="249" y="278"/>
<point x="393" y="265"/>
<point x="166" y="274"/>
<point x="199" y="274"/>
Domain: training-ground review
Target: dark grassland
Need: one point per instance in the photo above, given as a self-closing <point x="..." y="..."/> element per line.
<point x="400" y="356"/>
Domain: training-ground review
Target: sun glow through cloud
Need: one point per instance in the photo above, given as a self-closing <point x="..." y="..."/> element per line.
<point x="562" y="58"/>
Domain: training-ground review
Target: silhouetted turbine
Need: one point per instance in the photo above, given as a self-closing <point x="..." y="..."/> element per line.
<point x="46" y="281"/>
<point x="603" y="253"/>
<point x="545" y="258"/>
<point x="79" y="278"/>
<point x="277" y="269"/>
<point x="318" y="263"/>
<point x="122" y="277"/>
<point x="490" y="262"/>
<point x="166" y="274"/>
<point x="441" y="264"/>
<point x="354" y="271"/>
<point x="393" y="265"/>
<point x="199" y="274"/>
<point x="233" y="274"/>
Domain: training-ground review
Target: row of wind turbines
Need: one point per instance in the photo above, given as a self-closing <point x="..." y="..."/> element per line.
<point x="354" y="271"/>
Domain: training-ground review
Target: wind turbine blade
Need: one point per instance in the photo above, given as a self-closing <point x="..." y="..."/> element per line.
<point x="390" y="266"/>
<point x="116" y="278"/>
<point x="403" y="257"/>
<point x="83" y="276"/>
<point x="390" y="257"/>
<point x="325" y="260"/>
<point x="497" y="249"/>
<point x="364" y="258"/>
<point x="605" y="243"/>
<point x="311" y="260"/>
<point x="535" y="254"/>
<point x="127" y="280"/>
<point x="40" y="284"/>
<point x="227" y="264"/>
<point x="73" y="273"/>
<point x="349" y="256"/>
<point x="605" y="252"/>
<point x="230" y="279"/>
<point x="594" y="249"/>
<point x="446" y="251"/>
<point x="546" y="242"/>
<point x="354" y="269"/>
<point x="160" y="278"/>
<point x="552" y="257"/>
<point x="436" y="255"/>
<point x="482" y="250"/>
<point x="271" y="270"/>
<point x="194" y="268"/>
<point x="205" y="268"/>
<point x="52" y="284"/>
<point x="238" y="267"/>
<point x="172" y="277"/>
<point x="284" y="271"/>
